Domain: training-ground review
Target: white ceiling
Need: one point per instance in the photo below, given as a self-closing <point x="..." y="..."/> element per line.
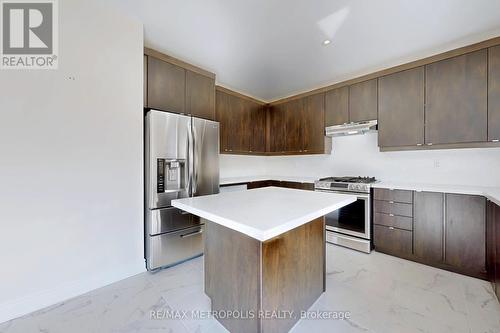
<point x="273" y="48"/>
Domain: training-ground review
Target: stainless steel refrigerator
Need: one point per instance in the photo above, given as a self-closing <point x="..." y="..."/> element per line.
<point x="181" y="160"/>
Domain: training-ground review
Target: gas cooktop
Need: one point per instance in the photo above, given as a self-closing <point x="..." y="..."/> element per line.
<point x="362" y="180"/>
<point x="349" y="184"/>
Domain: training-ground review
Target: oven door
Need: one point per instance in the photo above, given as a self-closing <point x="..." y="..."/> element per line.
<point x="353" y="219"/>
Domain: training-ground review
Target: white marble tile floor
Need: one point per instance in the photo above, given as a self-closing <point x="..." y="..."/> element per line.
<point x="382" y="293"/>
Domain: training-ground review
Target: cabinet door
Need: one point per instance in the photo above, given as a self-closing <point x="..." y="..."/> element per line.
<point x="240" y="127"/>
<point x="465" y="234"/>
<point x="401" y="109"/>
<point x="456" y="99"/>
<point x="258" y="128"/>
<point x="223" y="117"/>
<point x="200" y="95"/>
<point x="166" y="86"/>
<point x="428" y="225"/>
<point x="491" y="250"/>
<point x="293" y="120"/>
<point x="277" y="122"/>
<point x="313" y="124"/>
<point x="363" y="101"/>
<point x="392" y="240"/>
<point x="494" y="94"/>
<point x="337" y="106"/>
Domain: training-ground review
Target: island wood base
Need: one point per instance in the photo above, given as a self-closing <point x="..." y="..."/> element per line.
<point x="244" y="275"/>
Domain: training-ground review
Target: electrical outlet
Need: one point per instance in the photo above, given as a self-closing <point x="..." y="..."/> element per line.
<point x="437" y="164"/>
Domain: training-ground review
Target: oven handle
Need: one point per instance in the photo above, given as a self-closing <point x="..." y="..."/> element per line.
<point x="359" y="195"/>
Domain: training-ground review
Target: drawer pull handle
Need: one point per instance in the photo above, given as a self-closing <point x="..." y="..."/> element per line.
<point x="391" y="215"/>
<point x="192" y="234"/>
<point x="391" y="228"/>
<point x="391" y="202"/>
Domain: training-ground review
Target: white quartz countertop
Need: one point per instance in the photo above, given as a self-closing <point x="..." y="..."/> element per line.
<point x="264" y="213"/>
<point x="492" y="193"/>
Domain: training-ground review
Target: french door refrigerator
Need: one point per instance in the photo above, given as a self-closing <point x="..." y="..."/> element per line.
<point x="181" y="160"/>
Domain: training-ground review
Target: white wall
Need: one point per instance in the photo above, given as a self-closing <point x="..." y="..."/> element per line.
<point x="240" y="165"/>
<point x="71" y="188"/>
<point x="360" y="156"/>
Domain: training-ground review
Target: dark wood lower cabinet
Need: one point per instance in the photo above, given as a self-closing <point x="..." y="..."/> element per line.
<point x="497" y="254"/>
<point x="285" y="274"/>
<point x="277" y="183"/>
<point x="259" y="184"/>
<point x="394" y="208"/>
<point x="465" y="235"/>
<point x="491" y="243"/>
<point x="428" y="226"/>
<point x="393" y="240"/>
<point x="448" y="231"/>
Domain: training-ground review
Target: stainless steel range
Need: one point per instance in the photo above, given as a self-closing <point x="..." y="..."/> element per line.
<point x="350" y="225"/>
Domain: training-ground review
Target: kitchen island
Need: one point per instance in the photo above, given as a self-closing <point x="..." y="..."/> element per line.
<point x="264" y="254"/>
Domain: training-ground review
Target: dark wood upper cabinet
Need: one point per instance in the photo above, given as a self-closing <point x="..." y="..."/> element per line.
<point x="337" y="106"/>
<point x="494" y="94"/>
<point x="293" y="125"/>
<point x="240" y="125"/>
<point x="465" y="233"/>
<point x="223" y="116"/>
<point x="363" y="101"/>
<point x="200" y="95"/>
<point x="166" y="86"/>
<point x="401" y="109"/>
<point x="428" y="225"/>
<point x="277" y="124"/>
<point x="456" y="99"/>
<point x="258" y="128"/>
<point x="313" y="123"/>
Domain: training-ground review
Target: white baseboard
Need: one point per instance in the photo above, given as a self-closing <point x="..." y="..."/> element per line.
<point x="23" y="305"/>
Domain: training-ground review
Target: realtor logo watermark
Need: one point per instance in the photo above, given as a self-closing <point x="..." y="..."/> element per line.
<point x="29" y="34"/>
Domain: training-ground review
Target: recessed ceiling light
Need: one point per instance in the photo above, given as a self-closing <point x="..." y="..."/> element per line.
<point x="326" y="42"/>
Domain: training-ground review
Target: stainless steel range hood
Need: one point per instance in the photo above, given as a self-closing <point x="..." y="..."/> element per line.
<point x="351" y="128"/>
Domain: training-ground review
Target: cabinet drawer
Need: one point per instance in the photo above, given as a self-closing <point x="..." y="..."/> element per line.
<point x="393" y="195"/>
<point x="388" y="220"/>
<point x="159" y="221"/>
<point x="393" y="240"/>
<point x="167" y="249"/>
<point x="394" y="208"/>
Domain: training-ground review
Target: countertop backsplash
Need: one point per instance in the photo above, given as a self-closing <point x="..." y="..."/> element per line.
<point x="360" y="156"/>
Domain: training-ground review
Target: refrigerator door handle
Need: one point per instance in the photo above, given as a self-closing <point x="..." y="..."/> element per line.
<point x="195" y="163"/>
<point x="189" y="169"/>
